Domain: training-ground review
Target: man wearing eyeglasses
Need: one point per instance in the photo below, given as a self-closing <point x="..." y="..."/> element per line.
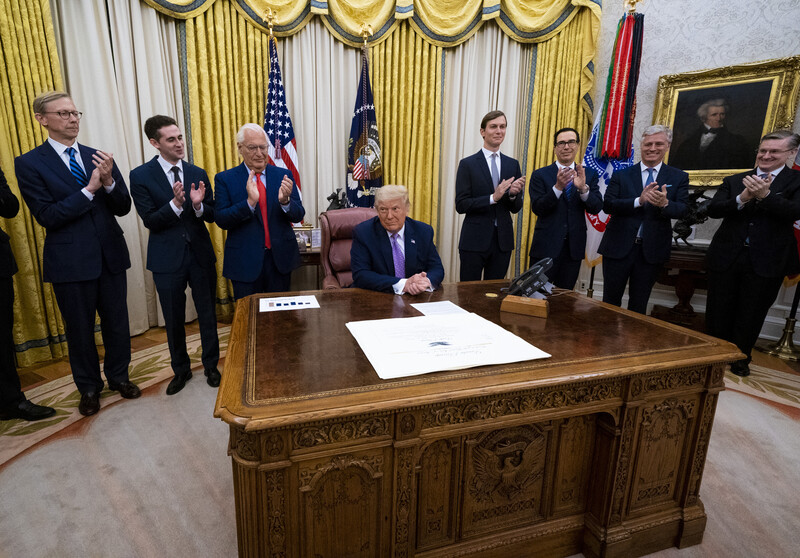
<point x="560" y="194"/>
<point x="257" y="204"/>
<point x="75" y="192"/>
<point x="754" y="247"/>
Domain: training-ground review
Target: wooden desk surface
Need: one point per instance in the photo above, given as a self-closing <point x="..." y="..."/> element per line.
<point x="291" y="367"/>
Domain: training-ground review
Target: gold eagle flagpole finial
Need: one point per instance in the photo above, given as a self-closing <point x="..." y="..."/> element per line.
<point x="270" y="15"/>
<point x="631" y="5"/>
<point x="366" y="32"/>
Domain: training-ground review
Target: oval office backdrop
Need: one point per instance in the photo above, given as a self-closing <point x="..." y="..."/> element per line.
<point x="435" y="68"/>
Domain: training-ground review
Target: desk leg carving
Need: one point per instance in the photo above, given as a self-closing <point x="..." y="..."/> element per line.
<point x="404" y="501"/>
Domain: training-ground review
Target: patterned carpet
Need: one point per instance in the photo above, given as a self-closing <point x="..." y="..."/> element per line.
<point x="148" y="367"/>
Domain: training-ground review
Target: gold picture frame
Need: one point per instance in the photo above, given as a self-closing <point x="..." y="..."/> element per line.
<point x="759" y="96"/>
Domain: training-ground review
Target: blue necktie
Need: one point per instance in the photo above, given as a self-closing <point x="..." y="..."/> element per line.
<point x="650" y="177"/>
<point x="568" y="189"/>
<point x="495" y="172"/>
<point x="76" y="169"/>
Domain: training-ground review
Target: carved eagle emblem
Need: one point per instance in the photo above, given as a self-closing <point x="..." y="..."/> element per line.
<point x="507" y="468"/>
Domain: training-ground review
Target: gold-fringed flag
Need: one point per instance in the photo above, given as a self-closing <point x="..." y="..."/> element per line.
<point x="277" y="122"/>
<point x="610" y="146"/>
<point x="364" y="163"/>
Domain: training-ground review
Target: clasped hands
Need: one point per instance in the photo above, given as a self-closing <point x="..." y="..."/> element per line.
<point x="576" y="175"/>
<point x="284" y="194"/>
<point x="197" y="194"/>
<point x="654" y="196"/>
<point x="755" y="188"/>
<point x="513" y="187"/>
<point x="101" y="175"/>
<point x="418" y="283"/>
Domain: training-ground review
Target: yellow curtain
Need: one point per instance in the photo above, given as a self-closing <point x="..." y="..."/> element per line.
<point x="440" y="22"/>
<point x="227" y="66"/>
<point x="406" y="73"/>
<point x="30" y="66"/>
<point x="558" y="102"/>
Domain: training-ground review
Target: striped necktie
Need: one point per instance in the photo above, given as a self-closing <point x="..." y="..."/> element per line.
<point x="76" y="169"/>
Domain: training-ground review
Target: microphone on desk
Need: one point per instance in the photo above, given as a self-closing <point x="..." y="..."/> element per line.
<point x="533" y="283"/>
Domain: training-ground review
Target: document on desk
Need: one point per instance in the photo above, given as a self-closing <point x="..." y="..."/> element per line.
<point x="279" y="303"/>
<point x="401" y="347"/>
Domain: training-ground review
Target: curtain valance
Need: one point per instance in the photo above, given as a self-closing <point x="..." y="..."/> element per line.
<point x="440" y="22"/>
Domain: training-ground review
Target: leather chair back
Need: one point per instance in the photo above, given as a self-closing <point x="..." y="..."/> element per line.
<point x="337" y="236"/>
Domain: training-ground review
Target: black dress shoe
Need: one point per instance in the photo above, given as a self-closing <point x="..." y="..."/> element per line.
<point x="740" y="368"/>
<point x="126" y="389"/>
<point x="213" y="376"/>
<point x="177" y="383"/>
<point x="90" y="403"/>
<point x="26" y="410"/>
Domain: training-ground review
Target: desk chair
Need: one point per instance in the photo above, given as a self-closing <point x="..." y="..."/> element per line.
<point x="337" y="237"/>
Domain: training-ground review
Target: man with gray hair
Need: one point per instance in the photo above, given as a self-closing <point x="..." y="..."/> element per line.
<point x="712" y="145"/>
<point x="257" y="204"/>
<point x="393" y="253"/>
<point x="754" y="247"/>
<point x="641" y="201"/>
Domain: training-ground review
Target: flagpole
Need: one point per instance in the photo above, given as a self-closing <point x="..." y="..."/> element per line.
<point x="785" y="348"/>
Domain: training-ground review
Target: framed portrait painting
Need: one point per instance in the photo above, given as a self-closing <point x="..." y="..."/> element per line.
<point x="718" y="116"/>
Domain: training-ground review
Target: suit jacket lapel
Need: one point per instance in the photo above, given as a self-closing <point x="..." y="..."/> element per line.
<point x="385" y="247"/>
<point x="780" y="180"/>
<point x="411" y="249"/>
<point x="483" y="169"/>
<point x="51" y="160"/>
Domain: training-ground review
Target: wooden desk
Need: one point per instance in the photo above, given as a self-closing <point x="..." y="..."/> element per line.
<point x="598" y="449"/>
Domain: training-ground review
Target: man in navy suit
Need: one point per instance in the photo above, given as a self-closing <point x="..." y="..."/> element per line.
<point x="641" y="201"/>
<point x="489" y="187"/>
<point x="13" y="403"/>
<point x="754" y="246"/>
<point x="393" y="253"/>
<point x="257" y="203"/>
<point x="560" y="194"/>
<point x="74" y="192"/>
<point x="179" y="250"/>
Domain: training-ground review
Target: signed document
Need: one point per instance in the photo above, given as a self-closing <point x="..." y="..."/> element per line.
<point x="401" y="347"/>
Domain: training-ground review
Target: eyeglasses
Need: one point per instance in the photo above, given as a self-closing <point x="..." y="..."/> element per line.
<point x="254" y="148"/>
<point x="773" y="151"/>
<point x="571" y="143"/>
<point x="65" y="114"/>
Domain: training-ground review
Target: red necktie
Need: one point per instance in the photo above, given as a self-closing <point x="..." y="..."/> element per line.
<point x="262" y="204"/>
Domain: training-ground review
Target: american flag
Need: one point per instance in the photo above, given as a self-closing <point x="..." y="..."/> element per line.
<point x="277" y="122"/>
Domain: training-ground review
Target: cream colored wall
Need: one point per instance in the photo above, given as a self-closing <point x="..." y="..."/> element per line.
<point x="688" y="35"/>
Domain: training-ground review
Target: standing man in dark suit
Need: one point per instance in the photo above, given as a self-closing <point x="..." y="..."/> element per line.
<point x="257" y="203"/>
<point x="754" y="247"/>
<point x="489" y="189"/>
<point x="641" y="201"/>
<point x="74" y="192"/>
<point x="179" y="250"/>
<point x="560" y="194"/>
<point x="393" y="253"/>
<point x="13" y="403"/>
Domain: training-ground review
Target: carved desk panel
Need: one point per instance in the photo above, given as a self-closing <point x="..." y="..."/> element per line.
<point x="599" y="449"/>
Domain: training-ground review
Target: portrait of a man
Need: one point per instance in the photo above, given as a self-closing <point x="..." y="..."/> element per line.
<point x="717" y="128"/>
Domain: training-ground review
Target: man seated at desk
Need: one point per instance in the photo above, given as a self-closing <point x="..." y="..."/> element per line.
<point x="392" y="252"/>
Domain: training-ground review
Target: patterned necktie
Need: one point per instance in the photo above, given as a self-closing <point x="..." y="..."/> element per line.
<point x="495" y="171"/>
<point x="76" y="169"/>
<point x="399" y="258"/>
<point x="764" y="176"/>
<point x="568" y="189"/>
<point x="262" y="204"/>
